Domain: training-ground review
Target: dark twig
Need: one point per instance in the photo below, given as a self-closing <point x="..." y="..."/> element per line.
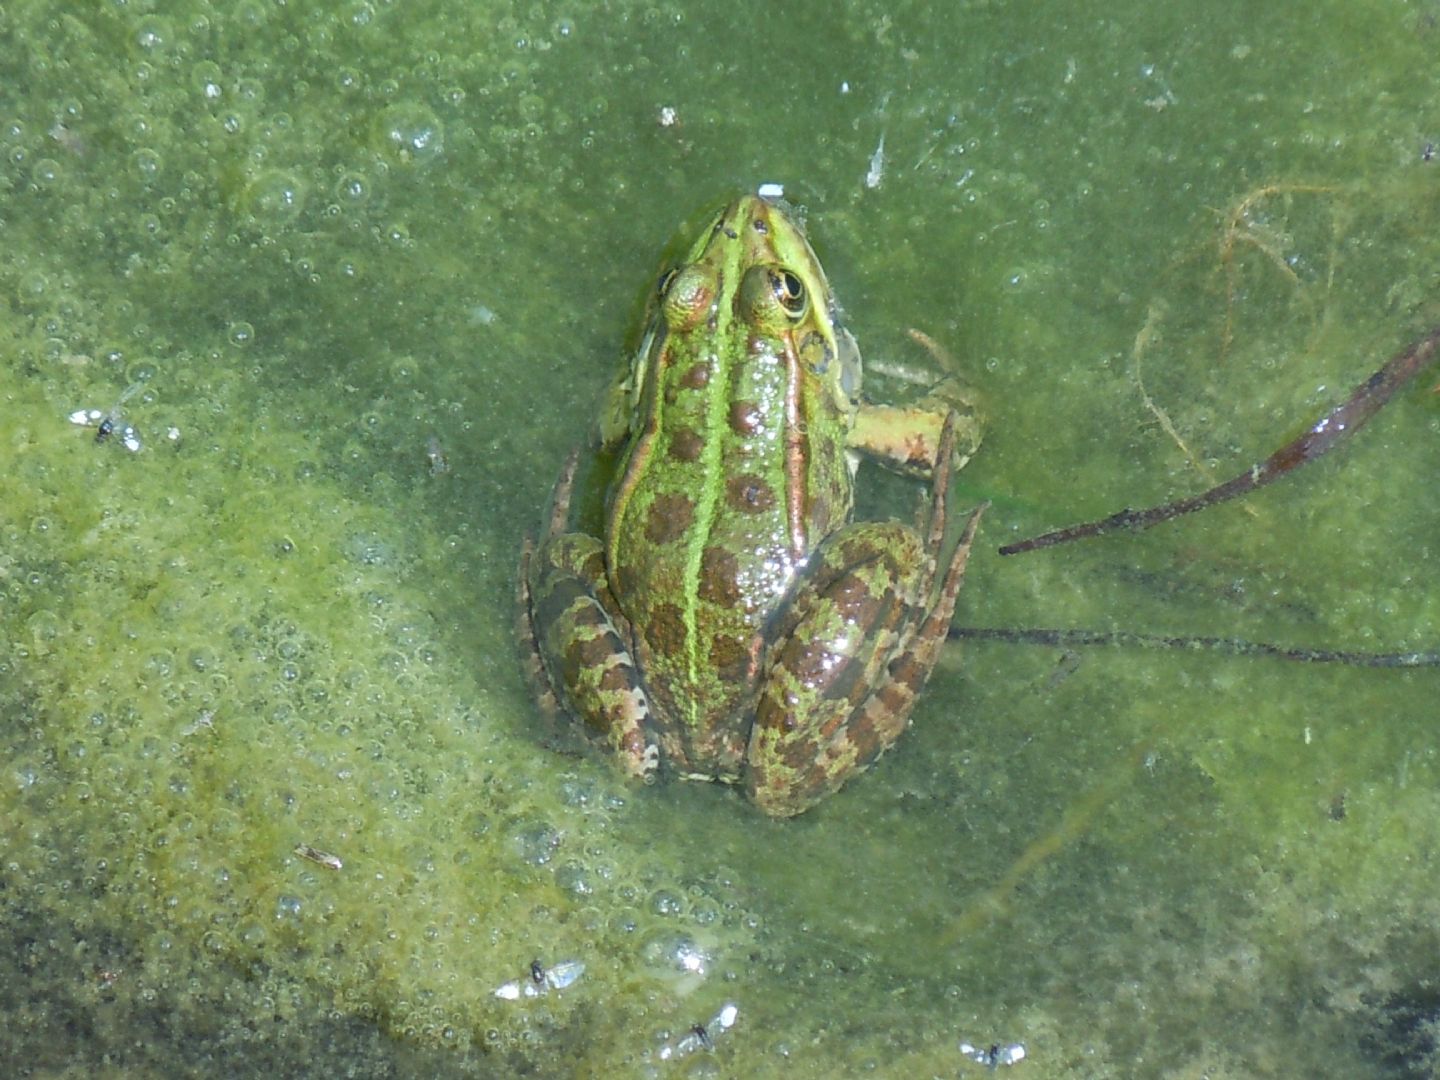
<point x="1331" y="429"/>
<point x="1224" y="646"/>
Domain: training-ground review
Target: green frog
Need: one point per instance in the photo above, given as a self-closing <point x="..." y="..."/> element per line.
<point x="731" y="621"/>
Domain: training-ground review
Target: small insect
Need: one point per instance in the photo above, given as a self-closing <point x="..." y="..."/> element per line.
<point x="315" y="855"/>
<point x="541" y="980"/>
<point x="106" y="977"/>
<point x="702" y="1036"/>
<point x="994" y="1055"/>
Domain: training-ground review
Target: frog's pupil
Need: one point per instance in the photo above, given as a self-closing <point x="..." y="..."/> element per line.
<point x="789" y="292"/>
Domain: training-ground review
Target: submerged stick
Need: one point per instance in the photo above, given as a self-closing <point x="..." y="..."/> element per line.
<point x="1224" y="646"/>
<point x="1332" y="428"/>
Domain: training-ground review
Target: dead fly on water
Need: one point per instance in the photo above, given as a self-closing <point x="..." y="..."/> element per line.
<point x="315" y="855"/>
<point x="542" y="980"/>
<point x="994" y="1055"/>
<point x="112" y="420"/>
<point x="702" y="1036"/>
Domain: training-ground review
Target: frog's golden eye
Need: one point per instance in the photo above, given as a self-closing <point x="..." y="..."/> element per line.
<point x="789" y="292"/>
<point x="772" y="299"/>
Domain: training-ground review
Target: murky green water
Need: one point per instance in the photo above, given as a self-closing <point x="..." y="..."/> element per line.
<point x="306" y="260"/>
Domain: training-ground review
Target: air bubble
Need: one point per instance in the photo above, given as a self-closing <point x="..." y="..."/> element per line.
<point x="535" y="842"/>
<point x="206" y="78"/>
<point x="45" y="628"/>
<point x="276" y="196"/>
<point x="241" y="334"/>
<point x="672" y="954"/>
<point x="46" y="173"/>
<point x="250" y="91"/>
<point x="147" y="164"/>
<point x="410" y="133"/>
<point x="574" y="879"/>
<point x="353" y="189"/>
<point x="152" y="34"/>
<point x="32" y="287"/>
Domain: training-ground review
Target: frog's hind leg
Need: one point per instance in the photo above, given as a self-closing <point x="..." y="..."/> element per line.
<point x="836" y="698"/>
<point x="853" y="650"/>
<point x="575" y="641"/>
<point x="582" y="642"/>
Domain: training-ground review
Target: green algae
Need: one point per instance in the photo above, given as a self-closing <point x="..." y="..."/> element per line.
<point x="323" y="248"/>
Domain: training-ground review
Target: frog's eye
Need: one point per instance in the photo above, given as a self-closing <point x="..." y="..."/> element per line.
<point x="772" y="298"/>
<point x="789" y="292"/>
<point x="685" y="297"/>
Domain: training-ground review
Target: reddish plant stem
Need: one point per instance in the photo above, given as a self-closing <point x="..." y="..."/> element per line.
<point x="1331" y="429"/>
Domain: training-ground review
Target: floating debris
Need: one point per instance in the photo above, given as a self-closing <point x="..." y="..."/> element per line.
<point x="702" y="1036"/>
<point x="435" y="454"/>
<point x="994" y="1055"/>
<point x="542" y="980"/>
<point x="876" y="174"/>
<point x="771" y="191"/>
<point x="315" y="855"/>
<point x="205" y="720"/>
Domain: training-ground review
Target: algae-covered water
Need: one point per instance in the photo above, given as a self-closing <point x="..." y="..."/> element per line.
<point x="345" y="285"/>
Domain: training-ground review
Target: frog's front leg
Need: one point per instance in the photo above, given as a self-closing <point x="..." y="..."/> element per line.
<point x="906" y="438"/>
<point x="852" y="651"/>
<point x="578" y="640"/>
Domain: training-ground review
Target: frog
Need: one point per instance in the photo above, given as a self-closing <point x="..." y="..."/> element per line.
<point x="725" y="618"/>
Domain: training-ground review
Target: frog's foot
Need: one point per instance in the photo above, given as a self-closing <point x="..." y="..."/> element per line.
<point x="580" y="639"/>
<point x="530" y="659"/>
<point x="560" y="497"/>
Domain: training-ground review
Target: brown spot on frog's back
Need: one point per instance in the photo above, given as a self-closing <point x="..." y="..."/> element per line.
<point x="719" y="570"/>
<point x="685" y="444"/>
<point x="749" y="494"/>
<point x="695" y="377"/>
<point x="730" y="659"/>
<point x="745" y="417"/>
<point x="664" y="627"/>
<point x="670" y="517"/>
